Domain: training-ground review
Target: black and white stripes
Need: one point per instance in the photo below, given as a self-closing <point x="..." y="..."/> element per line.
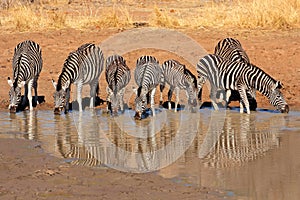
<point x="82" y="66"/>
<point x="228" y="75"/>
<point x="147" y="76"/>
<point x="178" y="77"/>
<point x="27" y="65"/>
<point x="117" y="75"/>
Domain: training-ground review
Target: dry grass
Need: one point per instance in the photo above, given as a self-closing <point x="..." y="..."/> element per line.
<point x="242" y="14"/>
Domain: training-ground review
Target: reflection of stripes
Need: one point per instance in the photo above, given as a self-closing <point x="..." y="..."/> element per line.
<point x="117" y="75"/>
<point x="231" y="49"/>
<point x="240" y="143"/>
<point x="147" y="76"/>
<point x="178" y="77"/>
<point x="227" y="75"/>
<point x="27" y="65"/>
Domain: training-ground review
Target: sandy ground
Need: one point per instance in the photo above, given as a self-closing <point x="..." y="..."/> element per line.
<point x="26" y="172"/>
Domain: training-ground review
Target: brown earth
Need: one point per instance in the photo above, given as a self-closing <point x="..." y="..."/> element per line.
<point x="27" y="173"/>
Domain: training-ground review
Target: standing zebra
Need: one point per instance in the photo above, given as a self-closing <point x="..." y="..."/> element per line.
<point x="82" y="66"/>
<point x="27" y="65"/>
<point x="231" y="49"/>
<point x="178" y="77"/>
<point x="228" y="75"/>
<point x="147" y="76"/>
<point x="117" y="75"/>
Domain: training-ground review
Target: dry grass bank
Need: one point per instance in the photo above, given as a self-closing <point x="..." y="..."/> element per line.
<point x="244" y="14"/>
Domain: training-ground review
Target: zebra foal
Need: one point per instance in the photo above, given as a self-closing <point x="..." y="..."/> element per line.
<point x="147" y="76"/>
<point x="179" y="78"/>
<point x="228" y="75"/>
<point x="27" y="65"/>
<point x="82" y="67"/>
<point x="231" y="49"/>
<point x="117" y="75"/>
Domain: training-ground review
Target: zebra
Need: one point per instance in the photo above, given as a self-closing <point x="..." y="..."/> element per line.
<point x="178" y="77"/>
<point x="229" y="75"/>
<point x="147" y="76"/>
<point x="231" y="49"/>
<point x="27" y="64"/>
<point x="117" y="75"/>
<point x="81" y="67"/>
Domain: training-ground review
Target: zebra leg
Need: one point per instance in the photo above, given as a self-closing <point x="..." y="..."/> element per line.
<point x="213" y="97"/>
<point x="93" y="89"/>
<point x="29" y="95"/>
<point x="244" y="100"/>
<point x="161" y="87"/>
<point x="121" y="99"/>
<point x="152" y="104"/>
<point x="176" y="98"/>
<point x="79" y="100"/>
<point x="228" y="94"/>
<point x="170" y="93"/>
<point x="35" y="85"/>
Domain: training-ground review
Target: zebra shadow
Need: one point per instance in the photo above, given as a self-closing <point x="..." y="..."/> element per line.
<point x="86" y="103"/>
<point x="25" y="103"/>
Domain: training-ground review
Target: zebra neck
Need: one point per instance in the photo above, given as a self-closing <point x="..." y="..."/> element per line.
<point x="264" y="84"/>
<point x="63" y="81"/>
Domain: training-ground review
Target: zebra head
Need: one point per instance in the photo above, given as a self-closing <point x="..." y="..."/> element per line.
<point x="61" y="97"/>
<point x="14" y="94"/>
<point x="277" y="99"/>
<point x="140" y="103"/>
<point x="191" y="88"/>
<point x="114" y="99"/>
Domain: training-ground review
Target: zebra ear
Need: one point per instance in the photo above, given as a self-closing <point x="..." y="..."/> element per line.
<point x="277" y="85"/>
<point x="10" y="83"/>
<point x="66" y="86"/>
<point x="54" y="83"/>
<point x="21" y="84"/>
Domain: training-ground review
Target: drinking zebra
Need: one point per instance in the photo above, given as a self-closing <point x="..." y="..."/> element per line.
<point x="117" y="75"/>
<point x="82" y="66"/>
<point x="229" y="75"/>
<point x="147" y="76"/>
<point x="27" y="65"/>
<point x="231" y="49"/>
<point x="179" y="78"/>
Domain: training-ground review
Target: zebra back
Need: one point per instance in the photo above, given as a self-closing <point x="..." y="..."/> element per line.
<point x="117" y="73"/>
<point x="86" y="64"/>
<point x="231" y="49"/>
<point x="177" y="74"/>
<point x="27" y="62"/>
<point x="147" y="73"/>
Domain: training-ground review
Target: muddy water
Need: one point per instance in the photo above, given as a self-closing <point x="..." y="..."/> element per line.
<point x="253" y="156"/>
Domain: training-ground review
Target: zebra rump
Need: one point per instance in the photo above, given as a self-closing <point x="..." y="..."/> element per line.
<point x="228" y="75"/>
<point x="231" y="49"/>
<point x="27" y="65"/>
<point x="178" y="77"/>
<point x="82" y="67"/>
<point x="117" y="75"/>
<point x="147" y="76"/>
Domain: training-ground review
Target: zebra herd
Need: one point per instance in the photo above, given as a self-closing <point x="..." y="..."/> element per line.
<point x="228" y="69"/>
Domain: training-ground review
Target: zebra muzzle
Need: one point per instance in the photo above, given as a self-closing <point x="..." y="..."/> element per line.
<point x="285" y="109"/>
<point x="58" y="110"/>
<point x="138" y="116"/>
<point x="13" y="109"/>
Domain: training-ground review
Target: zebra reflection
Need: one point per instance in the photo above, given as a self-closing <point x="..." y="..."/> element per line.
<point x="244" y="138"/>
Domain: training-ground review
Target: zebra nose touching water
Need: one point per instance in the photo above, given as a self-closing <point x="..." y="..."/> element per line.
<point x="117" y="76"/>
<point x="229" y="75"/>
<point x="82" y="67"/>
<point x="178" y="77"/>
<point x="147" y="76"/>
<point x="27" y="65"/>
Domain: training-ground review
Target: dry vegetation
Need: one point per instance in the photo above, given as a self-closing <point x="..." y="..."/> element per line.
<point x="17" y="15"/>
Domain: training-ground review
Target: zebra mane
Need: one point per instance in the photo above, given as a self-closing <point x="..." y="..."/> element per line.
<point x="139" y="91"/>
<point x="62" y="77"/>
<point x="190" y="74"/>
<point x="84" y="47"/>
<point x="16" y="73"/>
